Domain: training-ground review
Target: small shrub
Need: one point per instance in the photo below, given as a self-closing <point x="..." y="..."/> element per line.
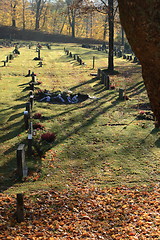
<point x="48" y="136"/>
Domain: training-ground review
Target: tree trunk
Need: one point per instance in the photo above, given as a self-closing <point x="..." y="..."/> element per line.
<point x="111" y="35"/>
<point x="38" y="6"/>
<point x="105" y="27"/>
<point x="140" y="20"/>
<point x="23" y="14"/>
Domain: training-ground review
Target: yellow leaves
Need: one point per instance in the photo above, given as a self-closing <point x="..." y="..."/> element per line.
<point x="83" y="212"/>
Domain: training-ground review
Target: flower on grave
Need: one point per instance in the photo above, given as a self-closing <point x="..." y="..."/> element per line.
<point x="39" y="82"/>
<point x="126" y="97"/>
<point x="48" y="136"/>
<point x="112" y="87"/>
<point x="38" y="126"/>
<point x="37" y="116"/>
<point x="141" y="113"/>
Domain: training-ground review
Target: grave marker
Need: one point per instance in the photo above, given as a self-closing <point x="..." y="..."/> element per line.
<point x="39" y="53"/>
<point x="99" y="73"/>
<point x="31" y="100"/>
<point x="33" y="77"/>
<point x="28" y="108"/>
<point x="30" y="137"/>
<point x="106" y="81"/>
<point x="22" y="169"/>
<point x="20" y="208"/>
<point x="4" y="63"/>
<point x="93" y="62"/>
<point x="26" y="119"/>
<point x="121" y="93"/>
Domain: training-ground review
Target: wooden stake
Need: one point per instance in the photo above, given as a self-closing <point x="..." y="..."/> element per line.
<point x="20" y="208"/>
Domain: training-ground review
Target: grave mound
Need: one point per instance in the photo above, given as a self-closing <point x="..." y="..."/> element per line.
<point x="61" y="97"/>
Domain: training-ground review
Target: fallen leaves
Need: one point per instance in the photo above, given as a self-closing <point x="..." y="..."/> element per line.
<point x="84" y="213"/>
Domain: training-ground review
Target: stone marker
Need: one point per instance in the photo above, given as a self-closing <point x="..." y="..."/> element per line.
<point x="7" y="59"/>
<point x="31" y="98"/>
<point x="93" y="62"/>
<point x="26" y="119"/>
<point x="39" y="54"/>
<point x="22" y="169"/>
<point x="121" y="93"/>
<point x="99" y="73"/>
<point x="70" y="54"/>
<point x="20" y="208"/>
<point x="33" y="77"/>
<point x="30" y="139"/>
<point x="28" y="108"/>
<point x="106" y="81"/>
<point x="4" y="63"/>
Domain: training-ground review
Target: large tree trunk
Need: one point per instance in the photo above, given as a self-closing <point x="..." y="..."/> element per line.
<point x="38" y="9"/>
<point x="111" y="35"/>
<point x="140" y="20"/>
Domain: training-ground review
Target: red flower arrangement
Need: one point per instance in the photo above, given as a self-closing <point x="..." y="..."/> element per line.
<point x="112" y="87"/>
<point x="39" y="82"/>
<point x="37" y="116"/>
<point x="48" y="136"/>
<point x="38" y="126"/>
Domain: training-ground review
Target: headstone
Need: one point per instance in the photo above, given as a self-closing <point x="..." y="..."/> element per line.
<point x="26" y="119"/>
<point x="135" y="60"/>
<point x="10" y="56"/>
<point x="29" y="73"/>
<point x="28" y="108"/>
<point x="21" y="162"/>
<point x="20" y="208"/>
<point x="30" y="128"/>
<point x="7" y="59"/>
<point x="39" y="54"/>
<point x="70" y="54"/>
<point x="31" y="98"/>
<point x="4" y="63"/>
<point x="33" y="77"/>
<point x="93" y="62"/>
<point x="40" y="64"/>
<point x="121" y="94"/>
<point x="75" y="57"/>
<point x="80" y="61"/>
<point x="30" y="139"/>
<point x="99" y="73"/>
<point x="106" y="81"/>
<point x="32" y="86"/>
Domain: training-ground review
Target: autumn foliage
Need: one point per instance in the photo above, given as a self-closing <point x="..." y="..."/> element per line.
<point x="84" y="213"/>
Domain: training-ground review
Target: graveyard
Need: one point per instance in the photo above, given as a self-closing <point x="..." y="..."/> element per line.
<point x="71" y="130"/>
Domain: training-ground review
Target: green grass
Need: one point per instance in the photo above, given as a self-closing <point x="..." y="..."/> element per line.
<point x="99" y="141"/>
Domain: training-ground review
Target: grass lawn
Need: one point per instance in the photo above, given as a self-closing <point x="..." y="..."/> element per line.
<point x="99" y="179"/>
<point x="99" y="142"/>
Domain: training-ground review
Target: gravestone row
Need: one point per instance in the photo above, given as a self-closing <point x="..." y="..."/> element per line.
<point x="75" y="56"/>
<point x="102" y="48"/>
<point x="118" y="52"/>
<point x="11" y="56"/>
<point x="104" y="79"/>
<point x="21" y="162"/>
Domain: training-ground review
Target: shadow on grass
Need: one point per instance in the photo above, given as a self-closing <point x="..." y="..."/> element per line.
<point x="15" y="129"/>
<point x="84" y="83"/>
<point x="8" y="175"/>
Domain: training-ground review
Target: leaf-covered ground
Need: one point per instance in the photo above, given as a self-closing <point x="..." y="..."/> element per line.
<point x="84" y="213"/>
